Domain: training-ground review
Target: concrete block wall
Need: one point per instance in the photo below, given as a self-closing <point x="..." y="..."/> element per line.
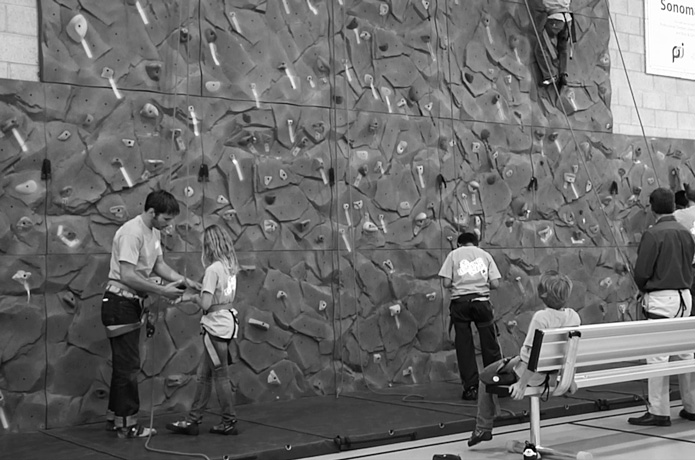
<point x="666" y="105"/>
<point x="19" y="44"/>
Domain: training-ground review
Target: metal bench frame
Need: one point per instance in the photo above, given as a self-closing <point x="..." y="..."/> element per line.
<point x="586" y="356"/>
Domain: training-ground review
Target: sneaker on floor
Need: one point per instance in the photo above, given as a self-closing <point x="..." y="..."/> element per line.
<point x="687" y="415"/>
<point x="225" y="428"/>
<point x="111" y="426"/>
<point x="479" y="436"/>
<point x="183" y="427"/>
<point x="470" y="394"/>
<point x="135" y="431"/>
<point x="650" y="420"/>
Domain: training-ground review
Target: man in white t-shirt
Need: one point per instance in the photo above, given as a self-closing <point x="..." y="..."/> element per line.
<point x="470" y="272"/>
<point x="135" y="257"/>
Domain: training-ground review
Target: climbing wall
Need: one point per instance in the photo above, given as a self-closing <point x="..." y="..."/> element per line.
<point x="344" y="144"/>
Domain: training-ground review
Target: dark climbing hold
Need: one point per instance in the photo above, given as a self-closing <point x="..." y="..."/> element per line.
<point x="153" y="71"/>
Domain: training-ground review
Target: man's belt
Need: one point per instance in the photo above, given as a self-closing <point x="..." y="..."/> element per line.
<point x="112" y="288"/>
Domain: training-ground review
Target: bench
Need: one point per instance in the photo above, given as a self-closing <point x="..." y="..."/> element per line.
<point x="601" y="354"/>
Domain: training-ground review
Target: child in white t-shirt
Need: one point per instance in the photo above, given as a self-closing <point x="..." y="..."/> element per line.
<point x="219" y="326"/>
<point x="554" y="290"/>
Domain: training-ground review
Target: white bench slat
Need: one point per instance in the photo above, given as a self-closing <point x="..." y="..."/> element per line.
<point x="622" y="374"/>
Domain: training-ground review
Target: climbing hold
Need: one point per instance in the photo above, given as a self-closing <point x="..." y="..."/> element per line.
<point x="184" y="35"/>
<point x="27" y="188"/>
<point x="395" y="310"/>
<point x="402" y="145"/>
<point x="370" y="227"/>
<point x="545" y="234"/>
<point x="22" y="277"/>
<point x="77" y="30"/>
<point x="419" y="222"/>
<point x="108" y="73"/>
<point x="128" y="142"/>
<point x="118" y="211"/>
<point x="228" y="214"/>
<point x="188" y="191"/>
<point x="269" y="226"/>
<point x="273" y="379"/>
<point x="389" y="265"/>
<point x="322" y="305"/>
<point x="25" y="223"/>
<point x="69" y="238"/>
<point x="149" y="111"/>
<point x="194" y="120"/>
<point x="383" y="223"/>
<point x="374" y="126"/>
<point x="283" y="66"/>
<point x="12" y="125"/>
<point x="117" y="162"/>
<point x="343" y="234"/>
<point x="213" y="86"/>
<point x="64" y="136"/>
<point x="153" y="71"/>
<point x="211" y="37"/>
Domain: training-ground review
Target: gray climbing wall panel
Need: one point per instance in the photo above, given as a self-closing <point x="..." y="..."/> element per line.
<point x="344" y="144"/>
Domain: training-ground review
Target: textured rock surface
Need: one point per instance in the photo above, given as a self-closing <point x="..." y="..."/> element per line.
<point x="345" y="147"/>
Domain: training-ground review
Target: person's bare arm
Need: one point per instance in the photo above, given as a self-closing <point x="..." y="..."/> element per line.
<point x="494" y="284"/>
<point x="138" y="283"/>
<point x="203" y="300"/>
<point x="517" y="389"/>
<point x="446" y="282"/>
<point x="163" y="269"/>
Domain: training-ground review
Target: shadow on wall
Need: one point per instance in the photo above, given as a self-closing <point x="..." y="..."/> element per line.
<point x="344" y="144"/>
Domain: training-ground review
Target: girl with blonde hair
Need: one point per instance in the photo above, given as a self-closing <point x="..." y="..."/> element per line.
<point x="219" y="326"/>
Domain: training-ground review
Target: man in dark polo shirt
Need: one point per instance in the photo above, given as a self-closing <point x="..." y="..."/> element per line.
<point x="663" y="274"/>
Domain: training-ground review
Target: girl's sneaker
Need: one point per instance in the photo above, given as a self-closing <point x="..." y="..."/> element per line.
<point x="183" y="427"/>
<point x="225" y="428"/>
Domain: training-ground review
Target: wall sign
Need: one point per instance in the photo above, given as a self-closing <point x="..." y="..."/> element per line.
<point x="669" y="31"/>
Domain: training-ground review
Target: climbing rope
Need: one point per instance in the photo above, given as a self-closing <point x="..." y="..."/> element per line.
<point x="156" y="307"/>
<point x="617" y="246"/>
<point x="582" y="158"/>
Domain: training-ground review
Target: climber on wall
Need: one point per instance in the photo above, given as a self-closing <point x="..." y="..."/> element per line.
<point x="555" y="45"/>
<point x="136" y="255"/>
<point x="470" y="272"/>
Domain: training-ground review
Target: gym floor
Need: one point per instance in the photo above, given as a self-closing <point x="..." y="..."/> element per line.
<point x="407" y="422"/>
<point x="605" y="435"/>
